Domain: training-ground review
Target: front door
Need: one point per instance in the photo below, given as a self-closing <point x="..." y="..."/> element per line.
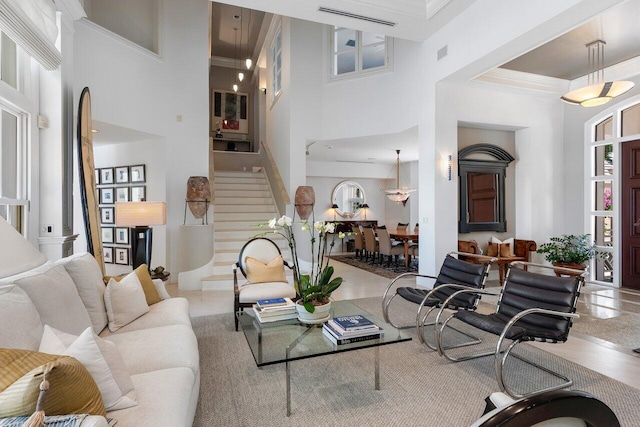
<point x="630" y="216"/>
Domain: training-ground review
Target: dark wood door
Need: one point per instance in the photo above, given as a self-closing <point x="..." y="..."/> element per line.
<point x="630" y="216"/>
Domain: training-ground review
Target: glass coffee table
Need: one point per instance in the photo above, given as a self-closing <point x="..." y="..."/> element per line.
<point x="288" y="340"/>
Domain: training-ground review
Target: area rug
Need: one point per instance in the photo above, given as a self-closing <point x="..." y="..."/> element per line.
<point x="381" y="270"/>
<point x="418" y="386"/>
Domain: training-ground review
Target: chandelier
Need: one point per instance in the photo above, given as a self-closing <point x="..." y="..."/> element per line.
<point x="398" y="194"/>
<point x="597" y="91"/>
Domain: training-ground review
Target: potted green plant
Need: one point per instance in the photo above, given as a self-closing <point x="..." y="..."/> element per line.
<point x="568" y="250"/>
<point x="314" y="287"/>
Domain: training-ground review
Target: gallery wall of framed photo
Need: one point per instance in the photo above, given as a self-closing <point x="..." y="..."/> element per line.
<point x="118" y="184"/>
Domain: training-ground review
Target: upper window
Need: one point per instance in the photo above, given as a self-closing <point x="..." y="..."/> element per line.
<point x="355" y="52"/>
<point x="12" y="177"/>
<point x="8" y="61"/>
<point x="276" y="65"/>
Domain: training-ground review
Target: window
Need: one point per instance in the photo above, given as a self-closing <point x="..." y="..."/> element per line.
<point x="8" y="61"/>
<point x="357" y="52"/>
<point x="12" y="174"/>
<point x="276" y="65"/>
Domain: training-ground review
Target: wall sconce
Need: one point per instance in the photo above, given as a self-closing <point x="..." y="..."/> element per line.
<point x="334" y="207"/>
<point x="263" y="90"/>
<point x="364" y="207"/>
<point x="446" y="166"/>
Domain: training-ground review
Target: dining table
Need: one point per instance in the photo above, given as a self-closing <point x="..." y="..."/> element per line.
<point x="407" y="238"/>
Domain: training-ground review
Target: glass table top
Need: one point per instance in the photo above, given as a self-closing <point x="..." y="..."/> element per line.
<point x="287" y="340"/>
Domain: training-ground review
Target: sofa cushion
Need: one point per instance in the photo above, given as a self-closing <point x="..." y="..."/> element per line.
<point x="164" y="399"/>
<point x="18" y="311"/>
<point x="162" y="290"/>
<point x="125" y="301"/>
<point x="71" y="388"/>
<point x="173" y="311"/>
<point x="101" y="358"/>
<point x="164" y="347"/>
<point x="87" y="276"/>
<point x="56" y="299"/>
<point x="254" y="292"/>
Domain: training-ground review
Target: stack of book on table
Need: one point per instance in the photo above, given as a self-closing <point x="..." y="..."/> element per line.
<point x="272" y="310"/>
<point x="350" y="329"/>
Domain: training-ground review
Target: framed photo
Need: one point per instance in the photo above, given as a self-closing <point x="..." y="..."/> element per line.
<point x="230" y="111"/>
<point x="108" y="255"/>
<point x="122" y="235"/>
<point x="122" y="194"/>
<point x="122" y="256"/>
<point x="107" y="215"/>
<point x="106" y="176"/>
<point x="122" y="174"/>
<point x="106" y="196"/>
<point x="137" y="173"/>
<point x="107" y="234"/>
<point x="138" y="194"/>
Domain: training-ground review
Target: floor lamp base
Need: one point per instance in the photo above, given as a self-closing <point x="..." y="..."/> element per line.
<point x="141" y="246"/>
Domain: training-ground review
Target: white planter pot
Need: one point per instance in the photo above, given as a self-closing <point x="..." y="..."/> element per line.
<point x="321" y="314"/>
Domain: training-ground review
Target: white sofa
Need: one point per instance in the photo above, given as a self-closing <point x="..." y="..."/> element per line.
<point x="159" y="348"/>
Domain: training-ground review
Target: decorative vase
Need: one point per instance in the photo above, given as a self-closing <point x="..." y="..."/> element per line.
<point x="559" y="273"/>
<point x="198" y="195"/>
<point x="321" y="314"/>
<point x="305" y="198"/>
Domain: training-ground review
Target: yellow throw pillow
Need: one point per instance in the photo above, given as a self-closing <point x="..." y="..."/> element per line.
<point x="492" y="249"/>
<point x="150" y="291"/>
<point x="72" y="390"/>
<point x="505" y="250"/>
<point x="259" y="272"/>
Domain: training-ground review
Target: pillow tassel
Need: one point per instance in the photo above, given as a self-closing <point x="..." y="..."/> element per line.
<point x="37" y="418"/>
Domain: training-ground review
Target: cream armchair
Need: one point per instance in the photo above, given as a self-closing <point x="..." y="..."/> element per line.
<point x="261" y="264"/>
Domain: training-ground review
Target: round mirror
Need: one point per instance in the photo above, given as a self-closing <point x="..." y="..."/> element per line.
<point x="349" y="196"/>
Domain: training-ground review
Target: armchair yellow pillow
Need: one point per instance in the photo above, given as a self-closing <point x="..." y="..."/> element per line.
<point x="259" y="272"/>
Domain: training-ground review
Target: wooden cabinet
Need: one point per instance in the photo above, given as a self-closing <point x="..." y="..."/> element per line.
<point x="225" y="144"/>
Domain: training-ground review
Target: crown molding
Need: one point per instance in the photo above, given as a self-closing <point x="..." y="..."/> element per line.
<point x="219" y="61"/>
<point x="522" y="80"/>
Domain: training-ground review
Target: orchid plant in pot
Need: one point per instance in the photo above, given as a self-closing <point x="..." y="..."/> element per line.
<point x="315" y="286"/>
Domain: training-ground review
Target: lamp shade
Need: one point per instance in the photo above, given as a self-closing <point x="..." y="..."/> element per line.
<point x="334" y="206"/>
<point x="134" y="214"/>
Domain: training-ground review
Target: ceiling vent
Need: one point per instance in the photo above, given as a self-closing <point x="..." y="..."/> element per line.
<point x="356" y="16"/>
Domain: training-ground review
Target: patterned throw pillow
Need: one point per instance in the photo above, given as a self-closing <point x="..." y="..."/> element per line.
<point x="259" y="272"/>
<point x="72" y="390"/>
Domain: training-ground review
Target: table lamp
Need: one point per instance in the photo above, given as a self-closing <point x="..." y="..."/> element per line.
<point x="334" y="207"/>
<point x="140" y="216"/>
<point x="364" y="208"/>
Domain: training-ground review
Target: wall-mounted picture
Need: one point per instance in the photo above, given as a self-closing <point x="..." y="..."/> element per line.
<point x="122" y="194"/>
<point x="106" y="196"/>
<point x="107" y="234"/>
<point x="137" y="173"/>
<point x="106" y="176"/>
<point x="108" y="255"/>
<point x="138" y="194"/>
<point x="122" y="256"/>
<point x="107" y="216"/>
<point x="122" y="174"/>
<point x="122" y="235"/>
<point x="231" y="110"/>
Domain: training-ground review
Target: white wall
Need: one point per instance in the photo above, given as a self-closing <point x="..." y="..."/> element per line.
<point x="134" y="89"/>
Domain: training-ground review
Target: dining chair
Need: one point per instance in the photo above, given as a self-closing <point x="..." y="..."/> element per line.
<point x="358" y="241"/>
<point x="387" y="248"/>
<point x="370" y="243"/>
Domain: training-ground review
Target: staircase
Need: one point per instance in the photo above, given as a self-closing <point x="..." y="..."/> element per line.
<point x="242" y="200"/>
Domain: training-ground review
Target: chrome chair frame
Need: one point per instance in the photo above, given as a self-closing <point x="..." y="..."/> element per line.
<point x="500" y="356"/>
<point x="420" y="322"/>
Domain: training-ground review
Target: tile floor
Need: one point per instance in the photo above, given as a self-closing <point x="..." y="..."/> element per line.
<point x="601" y="356"/>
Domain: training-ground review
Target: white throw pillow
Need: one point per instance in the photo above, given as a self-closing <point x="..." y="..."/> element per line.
<point x="87" y="276"/>
<point x="20" y="325"/>
<point x="162" y="291"/>
<point x="101" y="358"/>
<point x="498" y="241"/>
<point x="125" y="301"/>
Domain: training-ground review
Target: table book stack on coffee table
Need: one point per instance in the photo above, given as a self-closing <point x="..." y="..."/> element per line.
<point x="275" y="309"/>
<point x="349" y="329"/>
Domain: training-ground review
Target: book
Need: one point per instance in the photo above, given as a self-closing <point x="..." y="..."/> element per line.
<point x="275" y="318"/>
<point x="273" y="302"/>
<point x="354" y="322"/>
<point x="267" y="312"/>
<point x="341" y="341"/>
<point x="340" y="333"/>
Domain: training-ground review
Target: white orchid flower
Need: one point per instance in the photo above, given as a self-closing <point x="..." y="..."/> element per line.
<point x="287" y="221"/>
<point x="272" y="223"/>
<point x="341" y="235"/>
<point x="330" y="227"/>
<point x="319" y="225"/>
<point x="304" y="226"/>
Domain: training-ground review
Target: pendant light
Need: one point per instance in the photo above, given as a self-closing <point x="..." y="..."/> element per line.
<point x="240" y="73"/>
<point x="248" y="61"/>
<point x="398" y="194"/>
<point x="597" y="91"/>
<point x="235" y="52"/>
